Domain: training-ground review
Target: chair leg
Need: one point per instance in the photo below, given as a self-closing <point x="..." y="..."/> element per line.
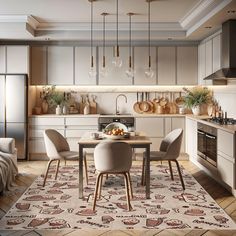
<point x="180" y="175"/>
<point x="143" y="172"/>
<point x="171" y="172"/>
<point x="127" y="192"/>
<point x="96" y="191"/>
<point x="100" y="187"/>
<point x="86" y="169"/>
<point x="57" y="168"/>
<point x="130" y="185"/>
<point x="46" y="173"/>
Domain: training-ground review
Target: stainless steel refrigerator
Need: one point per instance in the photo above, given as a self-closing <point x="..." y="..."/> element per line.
<point x="14" y="111"/>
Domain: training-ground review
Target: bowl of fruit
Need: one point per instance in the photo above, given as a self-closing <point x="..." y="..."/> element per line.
<point x="115" y="130"/>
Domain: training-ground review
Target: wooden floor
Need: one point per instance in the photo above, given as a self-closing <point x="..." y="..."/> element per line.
<point x="30" y="170"/>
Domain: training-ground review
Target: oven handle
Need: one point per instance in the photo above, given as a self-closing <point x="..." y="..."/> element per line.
<point x="200" y="132"/>
<point x="211" y="137"/>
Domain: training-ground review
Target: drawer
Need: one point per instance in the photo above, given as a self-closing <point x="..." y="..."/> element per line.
<point x="225" y="143"/>
<point x="37" y="146"/>
<point x="74" y="146"/>
<point x="34" y="121"/>
<point x="77" y="133"/>
<point x="38" y="133"/>
<point x="82" y="121"/>
<point x="152" y="127"/>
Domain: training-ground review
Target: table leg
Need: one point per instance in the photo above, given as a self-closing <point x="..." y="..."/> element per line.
<point x="80" y="171"/>
<point x="148" y="172"/>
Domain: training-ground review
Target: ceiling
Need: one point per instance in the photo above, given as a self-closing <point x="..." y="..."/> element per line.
<point x="70" y="19"/>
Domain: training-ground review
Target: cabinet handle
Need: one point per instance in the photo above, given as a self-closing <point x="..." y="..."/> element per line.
<point x="200" y="132"/>
<point x="211" y="137"/>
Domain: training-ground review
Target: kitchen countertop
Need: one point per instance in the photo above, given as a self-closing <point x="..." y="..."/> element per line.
<point x="227" y="128"/>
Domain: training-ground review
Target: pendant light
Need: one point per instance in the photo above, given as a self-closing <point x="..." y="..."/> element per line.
<point x="116" y="59"/>
<point x="92" y="71"/>
<point x="149" y="73"/>
<point x="130" y="71"/>
<point x="103" y="70"/>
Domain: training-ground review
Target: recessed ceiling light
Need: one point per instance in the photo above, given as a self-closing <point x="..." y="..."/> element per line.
<point x="231" y="11"/>
<point x="208" y="27"/>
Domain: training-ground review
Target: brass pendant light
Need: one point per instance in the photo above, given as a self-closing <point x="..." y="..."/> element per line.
<point x="149" y="73"/>
<point x="130" y="71"/>
<point x="92" y="71"/>
<point x="103" y="70"/>
<point x="117" y="61"/>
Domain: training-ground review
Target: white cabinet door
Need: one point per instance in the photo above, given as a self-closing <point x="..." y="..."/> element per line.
<point x="17" y="59"/>
<point x="179" y="122"/>
<point x="141" y="64"/>
<point x="44" y="121"/>
<point x="38" y="65"/>
<point x="201" y="63"/>
<point x="166" y="66"/>
<point x="209" y="61"/>
<point x="226" y="170"/>
<point x="216" y="53"/>
<point x="225" y="144"/>
<point x="60" y="65"/>
<point x="151" y="126"/>
<point x="36" y="146"/>
<point x="2" y="59"/>
<point x="115" y="76"/>
<point x="191" y="138"/>
<point x="83" y="64"/>
<point x="187" y="65"/>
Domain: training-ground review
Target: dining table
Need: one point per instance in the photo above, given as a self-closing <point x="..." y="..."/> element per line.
<point x="136" y="141"/>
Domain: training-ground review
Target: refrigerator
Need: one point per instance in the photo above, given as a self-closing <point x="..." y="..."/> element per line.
<point x="14" y="111"/>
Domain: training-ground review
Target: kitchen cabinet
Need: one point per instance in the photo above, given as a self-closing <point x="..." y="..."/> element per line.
<point x="115" y="76"/>
<point x="2" y="59"/>
<point x="187" y="58"/>
<point x="38" y="61"/>
<point x="191" y="138"/>
<point x="166" y="66"/>
<point x="141" y="64"/>
<point x="216" y="53"/>
<point x="209" y="59"/>
<point x="60" y="66"/>
<point x="201" y="63"/>
<point x="82" y="65"/>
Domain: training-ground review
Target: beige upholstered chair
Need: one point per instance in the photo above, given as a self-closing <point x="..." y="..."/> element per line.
<point x="58" y="149"/>
<point x="113" y="158"/>
<point x="169" y="151"/>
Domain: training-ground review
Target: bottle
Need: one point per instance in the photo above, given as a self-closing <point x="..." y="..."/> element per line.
<point x="64" y="110"/>
<point x="58" y="110"/>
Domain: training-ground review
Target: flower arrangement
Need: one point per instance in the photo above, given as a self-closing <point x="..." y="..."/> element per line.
<point x="197" y="96"/>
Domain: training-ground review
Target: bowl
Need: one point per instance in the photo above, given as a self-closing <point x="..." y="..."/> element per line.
<point x="114" y="137"/>
<point x="116" y="125"/>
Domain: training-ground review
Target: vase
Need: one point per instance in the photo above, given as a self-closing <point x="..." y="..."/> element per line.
<point x="64" y="110"/>
<point x="196" y="110"/>
<point x="58" y="110"/>
<point x="44" y="106"/>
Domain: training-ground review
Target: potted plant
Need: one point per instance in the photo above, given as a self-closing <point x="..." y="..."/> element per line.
<point x="195" y="97"/>
<point x="57" y="99"/>
<point x="45" y="95"/>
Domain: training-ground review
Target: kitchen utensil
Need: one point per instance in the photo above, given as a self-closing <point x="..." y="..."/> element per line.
<point x="136" y="105"/>
<point x="163" y="100"/>
<point x="144" y="106"/>
<point x="173" y="107"/>
<point x="156" y="99"/>
<point x="93" y="105"/>
<point x="168" y="105"/>
<point x="179" y="100"/>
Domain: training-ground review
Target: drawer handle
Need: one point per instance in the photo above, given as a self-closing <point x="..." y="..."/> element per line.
<point x="211" y="137"/>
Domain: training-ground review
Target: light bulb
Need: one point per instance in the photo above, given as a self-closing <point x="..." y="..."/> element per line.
<point x="130" y="72"/>
<point x="103" y="72"/>
<point x="92" y="72"/>
<point x="149" y="73"/>
<point x="117" y="61"/>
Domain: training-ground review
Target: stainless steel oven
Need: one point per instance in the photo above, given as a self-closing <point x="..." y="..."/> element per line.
<point x="207" y="143"/>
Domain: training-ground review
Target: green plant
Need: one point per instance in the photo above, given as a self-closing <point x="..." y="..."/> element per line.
<point x="56" y="98"/>
<point x="197" y="96"/>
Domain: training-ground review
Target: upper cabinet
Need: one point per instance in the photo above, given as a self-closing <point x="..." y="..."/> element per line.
<point x="187" y="60"/>
<point x="141" y="64"/>
<point x="115" y="75"/>
<point x="14" y="59"/>
<point x="166" y="66"/>
<point x="83" y="64"/>
<point x="38" y="61"/>
<point x="209" y="54"/>
<point x="60" y="65"/>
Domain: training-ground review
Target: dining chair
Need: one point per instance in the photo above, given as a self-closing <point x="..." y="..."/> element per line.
<point x="112" y="157"/>
<point x="169" y="151"/>
<point x="58" y="149"/>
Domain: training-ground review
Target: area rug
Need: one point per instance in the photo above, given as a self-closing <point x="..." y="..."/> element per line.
<point x="56" y="206"/>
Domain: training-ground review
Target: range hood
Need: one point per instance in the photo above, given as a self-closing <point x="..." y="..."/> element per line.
<point x="228" y="54"/>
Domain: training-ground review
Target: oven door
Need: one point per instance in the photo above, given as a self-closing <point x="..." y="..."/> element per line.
<point x="201" y="143"/>
<point x="211" y="149"/>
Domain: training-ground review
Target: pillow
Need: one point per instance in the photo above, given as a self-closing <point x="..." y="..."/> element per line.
<point x="7" y="145"/>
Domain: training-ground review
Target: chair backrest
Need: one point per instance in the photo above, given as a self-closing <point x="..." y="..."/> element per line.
<point x="54" y="143"/>
<point x="113" y="157"/>
<point x="171" y="144"/>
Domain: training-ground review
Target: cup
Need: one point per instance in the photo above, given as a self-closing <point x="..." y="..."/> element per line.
<point x="94" y="135"/>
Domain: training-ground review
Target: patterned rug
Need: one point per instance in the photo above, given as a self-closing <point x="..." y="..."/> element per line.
<point x="56" y="206"/>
